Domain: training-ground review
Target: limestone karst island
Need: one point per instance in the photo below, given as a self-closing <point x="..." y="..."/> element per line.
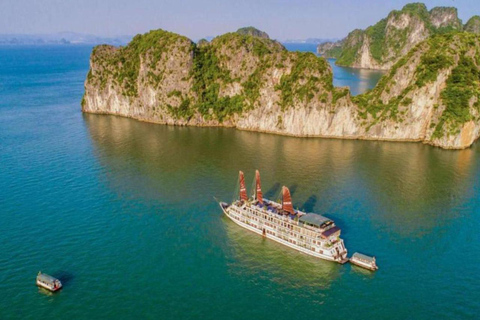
<point x="246" y="80"/>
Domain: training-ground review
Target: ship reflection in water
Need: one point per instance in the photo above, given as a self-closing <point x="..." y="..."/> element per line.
<point x="256" y="256"/>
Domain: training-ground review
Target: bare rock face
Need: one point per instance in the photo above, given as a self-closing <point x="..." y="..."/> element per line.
<point x="445" y="17"/>
<point x="143" y="80"/>
<point x="473" y="25"/>
<point x="430" y="95"/>
<point x="330" y="49"/>
<point x="383" y="44"/>
<point x="254" y="83"/>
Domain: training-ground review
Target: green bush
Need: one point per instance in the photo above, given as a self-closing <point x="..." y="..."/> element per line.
<point x="462" y="85"/>
<point x="305" y="66"/>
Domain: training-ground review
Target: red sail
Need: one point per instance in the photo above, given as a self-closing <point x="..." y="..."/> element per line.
<point x="243" y="190"/>
<point x="259" y="195"/>
<point x="287" y="201"/>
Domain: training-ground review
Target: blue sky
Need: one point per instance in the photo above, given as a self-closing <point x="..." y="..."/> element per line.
<point x="281" y="19"/>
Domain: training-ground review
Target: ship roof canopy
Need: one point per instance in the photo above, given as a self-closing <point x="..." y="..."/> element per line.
<point x="331" y="231"/>
<point x="363" y="257"/>
<point x="46" y="278"/>
<point x="314" y="219"/>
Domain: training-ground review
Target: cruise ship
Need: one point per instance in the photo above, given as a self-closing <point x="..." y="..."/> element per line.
<point x="309" y="233"/>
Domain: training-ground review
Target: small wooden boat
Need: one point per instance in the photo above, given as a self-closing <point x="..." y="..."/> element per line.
<point x="48" y="282"/>
<point x="364" y="261"/>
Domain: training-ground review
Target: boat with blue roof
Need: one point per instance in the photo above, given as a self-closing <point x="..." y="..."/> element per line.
<point x="310" y="233"/>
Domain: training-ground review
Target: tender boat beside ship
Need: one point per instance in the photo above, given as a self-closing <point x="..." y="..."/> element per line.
<point x="48" y="282"/>
<point x="364" y="261"/>
<point x="309" y="233"/>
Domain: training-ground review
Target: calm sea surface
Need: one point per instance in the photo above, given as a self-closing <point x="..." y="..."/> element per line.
<point x="123" y="213"/>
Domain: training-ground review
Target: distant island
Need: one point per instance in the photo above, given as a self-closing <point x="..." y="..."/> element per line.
<point x="62" y="38"/>
<point x="380" y="46"/>
<point x="311" y="40"/>
<point x="246" y="80"/>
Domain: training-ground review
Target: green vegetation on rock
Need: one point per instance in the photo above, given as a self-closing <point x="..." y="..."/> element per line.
<point x="251" y="31"/>
<point x="436" y="58"/>
<point x="123" y="64"/>
<point x="377" y="35"/>
<point x="458" y="52"/>
<point x="302" y="83"/>
<point x="473" y="25"/>
<point x="215" y="80"/>
<point x="430" y="93"/>
<point x="348" y="52"/>
<point x="463" y="85"/>
<point x="391" y="38"/>
<point x="208" y="75"/>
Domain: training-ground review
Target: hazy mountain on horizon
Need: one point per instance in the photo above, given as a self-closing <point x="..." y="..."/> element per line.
<point x="311" y="40"/>
<point x="305" y="41"/>
<point x="61" y="38"/>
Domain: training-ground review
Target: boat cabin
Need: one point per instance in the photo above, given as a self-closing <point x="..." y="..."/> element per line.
<point x="326" y="226"/>
<point x="48" y="282"/>
<point x="315" y="220"/>
<point x="364" y="261"/>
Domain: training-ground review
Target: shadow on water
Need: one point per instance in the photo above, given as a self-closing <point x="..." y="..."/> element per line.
<point x="293" y="189"/>
<point x="310" y="203"/>
<point x="65" y="277"/>
<point x="273" y="191"/>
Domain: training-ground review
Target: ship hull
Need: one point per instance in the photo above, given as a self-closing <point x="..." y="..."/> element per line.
<point x="44" y="286"/>
<point x="281" y="241"/>
<point x="364" y="265"/>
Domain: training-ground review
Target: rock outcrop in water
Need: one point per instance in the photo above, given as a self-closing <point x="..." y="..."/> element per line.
<point x="254" y="83"/>
<point x="380" y="46"/>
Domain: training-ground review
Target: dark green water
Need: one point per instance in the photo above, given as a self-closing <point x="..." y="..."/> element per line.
<point x="123" y="213"/>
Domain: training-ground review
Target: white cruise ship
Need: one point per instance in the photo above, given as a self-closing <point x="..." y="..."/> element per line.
<point x="309" y="233"/>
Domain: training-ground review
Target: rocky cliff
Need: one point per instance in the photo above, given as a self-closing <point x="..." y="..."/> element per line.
<point x="330" y="49"/>
<point x="251" y="31"/>
<point x="253" y="83"/>
<point x="473" y="25"/>
<point x="383" y="44"/>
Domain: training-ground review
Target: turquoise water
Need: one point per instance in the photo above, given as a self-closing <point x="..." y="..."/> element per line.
<point x="358" y="80"/>
<point x="123" y="213"/>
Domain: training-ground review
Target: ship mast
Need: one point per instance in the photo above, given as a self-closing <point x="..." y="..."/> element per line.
<point x="287" y="201"/>
<point x="243" y="189"/>
<point x="258" y="188"/>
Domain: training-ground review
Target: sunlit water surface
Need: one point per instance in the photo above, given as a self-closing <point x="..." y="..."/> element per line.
<point x="123" y="213"/>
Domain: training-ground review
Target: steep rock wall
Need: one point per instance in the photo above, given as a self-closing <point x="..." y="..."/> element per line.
<point x="253" y="83"/>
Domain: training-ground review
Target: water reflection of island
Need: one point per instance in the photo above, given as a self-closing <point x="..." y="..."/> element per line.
<point x="408" y="188"/>
<point x="259" y="257"/>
